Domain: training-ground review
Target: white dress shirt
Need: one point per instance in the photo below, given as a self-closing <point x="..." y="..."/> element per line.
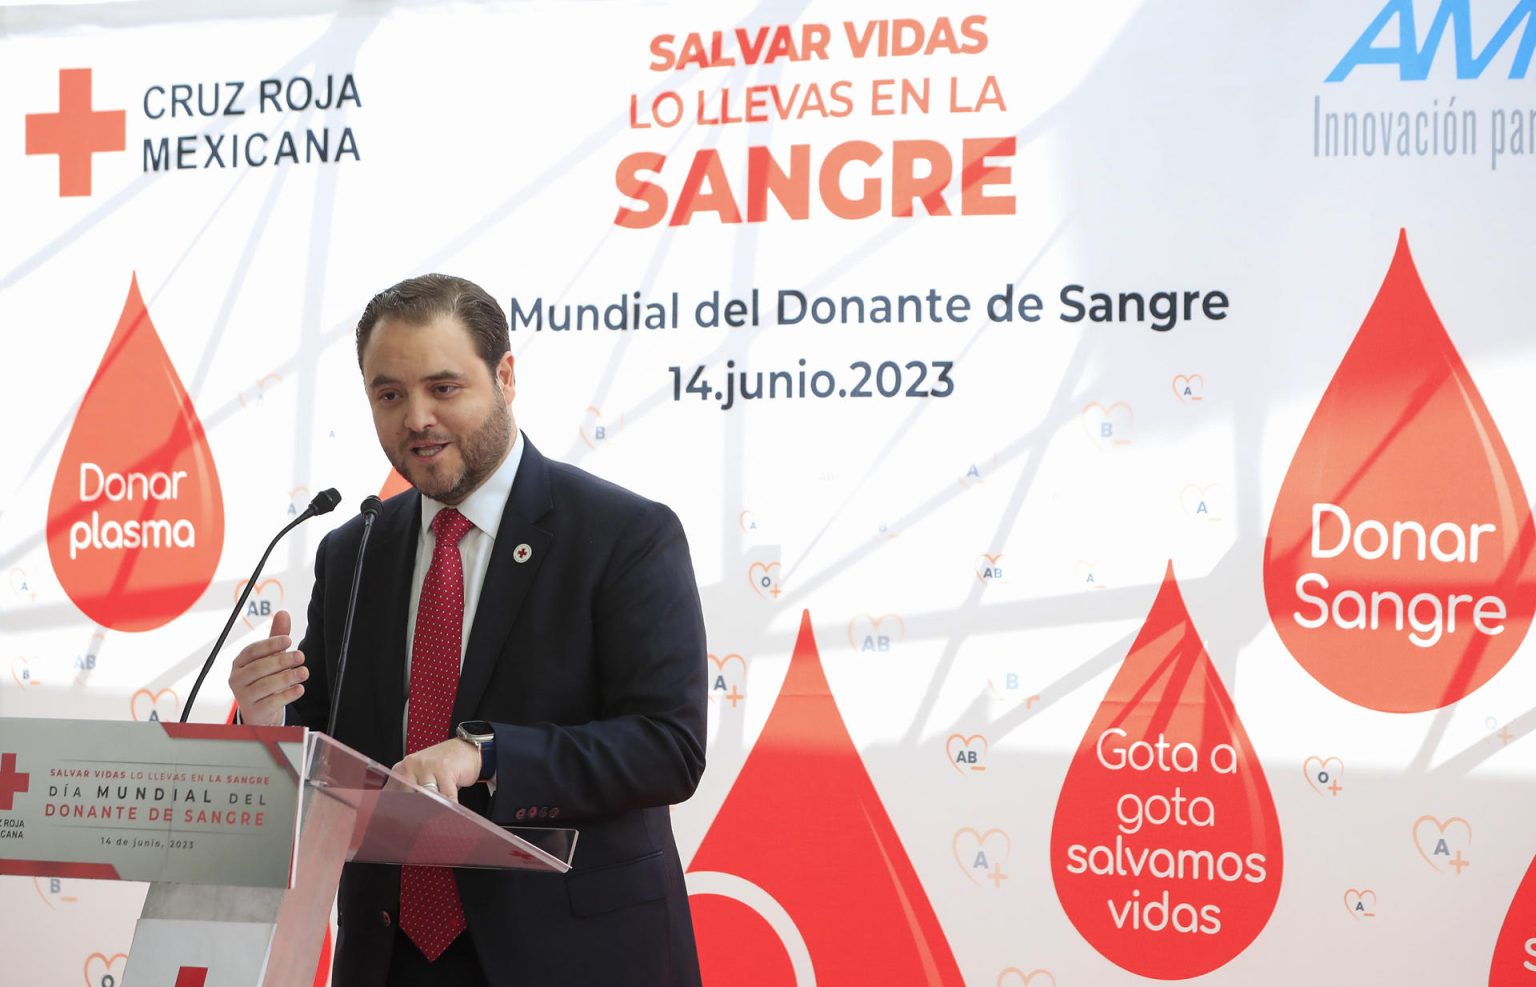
<point x="483" y="507"/>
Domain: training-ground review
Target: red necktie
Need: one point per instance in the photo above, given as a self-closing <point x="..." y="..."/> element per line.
<point x="430" y="910"/>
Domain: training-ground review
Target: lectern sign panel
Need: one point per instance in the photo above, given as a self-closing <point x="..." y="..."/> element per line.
<point x="189" y="803"/>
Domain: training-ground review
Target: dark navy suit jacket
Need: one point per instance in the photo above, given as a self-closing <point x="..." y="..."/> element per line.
<point x="589" y="659"/>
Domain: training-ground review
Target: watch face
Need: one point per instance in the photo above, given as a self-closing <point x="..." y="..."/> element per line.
<point x="477" y="730"/>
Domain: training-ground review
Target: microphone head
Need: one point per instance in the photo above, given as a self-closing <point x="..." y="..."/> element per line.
<point x="372" y="505"/>
<point x="325" y="501"/>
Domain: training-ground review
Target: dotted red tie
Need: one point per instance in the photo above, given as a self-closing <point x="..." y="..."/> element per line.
<point x="430" y="910"/>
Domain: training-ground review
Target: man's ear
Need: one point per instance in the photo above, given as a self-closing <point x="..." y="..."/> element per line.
<point x="506" y="376"/>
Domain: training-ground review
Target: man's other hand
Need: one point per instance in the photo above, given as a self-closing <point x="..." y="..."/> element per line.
<point x="267" y="676"/>
<point x="450" y="765"/>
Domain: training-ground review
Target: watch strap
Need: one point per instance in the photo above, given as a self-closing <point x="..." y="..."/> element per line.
<point x="483" y="736"/>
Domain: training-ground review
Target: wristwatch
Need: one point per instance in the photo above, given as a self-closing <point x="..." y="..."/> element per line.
<point x="483" y="736"/>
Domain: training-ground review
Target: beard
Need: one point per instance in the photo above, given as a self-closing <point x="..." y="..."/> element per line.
<point x="480" y="452"/>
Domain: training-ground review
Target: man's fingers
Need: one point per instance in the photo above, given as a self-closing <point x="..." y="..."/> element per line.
<point x="433" y="783"/>
<point x="443" y="785"/>
<point x="279" y="639"/>
<point x="255" y="668"/>
<point x="276" y="684"/>
<point x="261" y="649"/>
<point x="274" y="703"/>
<point x="429" y="770"/>
<point x="260" y="679"/>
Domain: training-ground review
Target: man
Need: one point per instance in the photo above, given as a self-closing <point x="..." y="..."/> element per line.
<point x="552" y="614"/>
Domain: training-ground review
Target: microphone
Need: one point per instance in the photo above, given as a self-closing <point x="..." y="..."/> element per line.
<point x="370" y="510"/>
<point x="325" y="501"/>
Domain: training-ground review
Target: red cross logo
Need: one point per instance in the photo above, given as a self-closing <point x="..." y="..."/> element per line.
<point x="75" y="132"/>
<point x="12" y="782"/>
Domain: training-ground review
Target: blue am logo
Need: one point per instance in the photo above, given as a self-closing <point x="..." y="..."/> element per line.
<point x="1413" y="58"/>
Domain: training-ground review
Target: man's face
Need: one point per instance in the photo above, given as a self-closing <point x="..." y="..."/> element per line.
<point x="442" y="416"/>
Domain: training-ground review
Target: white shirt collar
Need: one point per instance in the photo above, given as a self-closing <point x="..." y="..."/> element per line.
<point x="485" y="503"/>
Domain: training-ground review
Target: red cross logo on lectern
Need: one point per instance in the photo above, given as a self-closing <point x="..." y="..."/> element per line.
<point x="76" y="131"/>
<point x="12" y="782"/>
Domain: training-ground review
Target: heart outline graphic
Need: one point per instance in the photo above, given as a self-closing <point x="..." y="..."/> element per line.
<point x="257" y="591"/>
<point x="154" y="703"/>
<point x="720" y="663"/>
<point x="1188" y="379"/>
<point x="965" y="744"/>
<point x="1107" y="414"/>
<point x="1025" y="978"/>
<point x="67" y="899"/>
<point x="23" y="588"/>
<point x="760" y="570"/>
<point x="597" y="418"/>
<point x="981" y="842"/>
<point x="106" y="961"/>
<point x="1442" y="827"/>
<point x="20" y="665"/>
<point x="874" y="626"/>
<point x="1203" y="497"/>
<point x="1359" y="894"/>
<point x="1322" y="765"/>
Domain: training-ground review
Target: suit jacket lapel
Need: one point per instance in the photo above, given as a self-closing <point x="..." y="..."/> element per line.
<point x="387" y="582"/>
<point x="507" y="580"/>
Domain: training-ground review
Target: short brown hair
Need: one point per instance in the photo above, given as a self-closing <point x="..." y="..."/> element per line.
<point x="417" y="301"/>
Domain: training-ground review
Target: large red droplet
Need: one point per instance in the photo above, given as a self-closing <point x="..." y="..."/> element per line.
<point x="1430" y="590"/>
<point x="136" y="516"/>
<point x="1514" y="955"/>
<point x="1166" y="851"/>
<point x="844" y="881"/>
<point x="740" y="946"/>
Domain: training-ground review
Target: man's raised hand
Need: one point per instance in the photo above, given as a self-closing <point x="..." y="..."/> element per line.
<point x="267" y="675"/>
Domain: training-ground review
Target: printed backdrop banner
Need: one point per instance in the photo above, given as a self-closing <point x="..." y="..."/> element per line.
<point x="1099" y="429"/>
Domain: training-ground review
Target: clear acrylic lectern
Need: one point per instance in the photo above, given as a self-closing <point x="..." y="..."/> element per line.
<point x="353" y="808"/>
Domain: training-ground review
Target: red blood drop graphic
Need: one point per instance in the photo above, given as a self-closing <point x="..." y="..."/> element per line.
<point x="393" y="483"/>
<point x="1514" y="955"/>
<point x="1166" y="850"/>
<point x="741" y="947"/>
<point x="844" y="881"/>
<point x="323" y="968"/>
<point x="136" y="516"/>
<point x="1398" y="568"/>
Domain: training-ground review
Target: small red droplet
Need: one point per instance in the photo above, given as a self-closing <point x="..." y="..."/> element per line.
<point x="846" y="882"/>
<point x="136" y="515"/>
<point x="1403" y="447"/>
<point x="1161" y="883"/>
